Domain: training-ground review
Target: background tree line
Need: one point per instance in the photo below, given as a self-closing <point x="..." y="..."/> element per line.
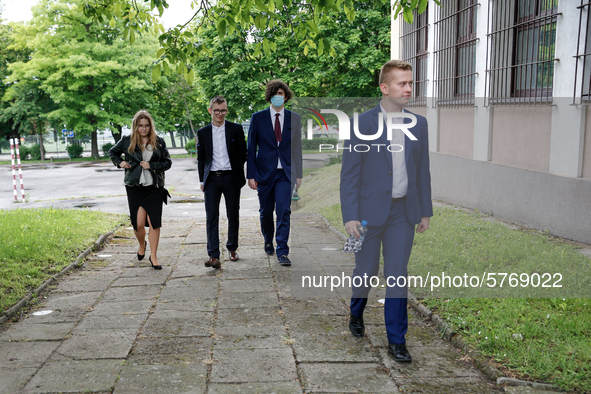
<point x="66" y="69"/>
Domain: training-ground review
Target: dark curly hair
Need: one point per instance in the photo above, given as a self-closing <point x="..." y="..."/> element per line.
<point x="273" y="86"/>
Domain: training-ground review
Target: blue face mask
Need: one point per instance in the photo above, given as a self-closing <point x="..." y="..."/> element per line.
<point x="277" y="101"/>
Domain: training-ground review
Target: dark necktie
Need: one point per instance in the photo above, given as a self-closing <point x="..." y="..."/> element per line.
<point x="277" y="128"/>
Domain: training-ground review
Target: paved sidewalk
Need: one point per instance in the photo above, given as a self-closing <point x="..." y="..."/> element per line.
<point x="119" y="326"/>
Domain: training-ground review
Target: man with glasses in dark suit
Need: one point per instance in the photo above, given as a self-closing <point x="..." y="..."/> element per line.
<point x="221" y="154"/>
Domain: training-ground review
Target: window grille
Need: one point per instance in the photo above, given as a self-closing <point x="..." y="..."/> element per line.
<point x="521" y="41"/>
<point x="455" y="53"/>
<point x="413" y="40"/>
<point x="582" y="92"/>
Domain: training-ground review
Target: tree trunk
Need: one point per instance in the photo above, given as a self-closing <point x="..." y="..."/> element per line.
<point x="93" y="144"/>
<point x="117" y="136"/>
<point x="41" y="146"/>
<point x="172" y="139"/>
<point x="189" y="116"/>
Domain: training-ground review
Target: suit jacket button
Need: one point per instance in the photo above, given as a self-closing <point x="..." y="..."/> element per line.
<point x="388" y="191"/>
<point x="390" y="172"/>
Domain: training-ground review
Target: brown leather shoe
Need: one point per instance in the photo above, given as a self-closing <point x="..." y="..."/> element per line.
<point x="214" y="263"/>
<point x="234" y="255"/>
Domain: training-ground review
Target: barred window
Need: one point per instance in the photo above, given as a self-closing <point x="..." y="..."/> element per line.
<point x="582" y="94"/>
<point x="413" y="39"/>
<point x="521" y="43"/>
<point x="455" y="53"/>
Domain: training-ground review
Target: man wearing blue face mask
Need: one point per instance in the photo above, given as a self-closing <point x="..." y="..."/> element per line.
<point x="274" y="164"/>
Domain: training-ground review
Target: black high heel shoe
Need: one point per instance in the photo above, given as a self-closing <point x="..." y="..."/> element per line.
<point x="156" y="267"/>
<point x="140" y="257"/>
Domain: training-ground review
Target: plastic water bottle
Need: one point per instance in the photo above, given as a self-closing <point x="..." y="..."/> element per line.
<point x="362" y="230"/>
<point x="353" y="245"/>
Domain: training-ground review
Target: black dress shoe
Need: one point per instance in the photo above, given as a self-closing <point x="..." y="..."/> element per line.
<point x="399" y="352"/>
<point x="156" y="267"/>
<point x="269" y="249"/>
<point x="356" y="326"/>
<point x="140" y="257"/>
<point x="284" y="260"/>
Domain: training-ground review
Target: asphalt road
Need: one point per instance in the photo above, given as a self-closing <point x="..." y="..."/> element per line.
<point x="99" y="185"/>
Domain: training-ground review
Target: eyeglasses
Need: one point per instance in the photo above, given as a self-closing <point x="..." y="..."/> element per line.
<point x="143" y="126"/>
<point x="220" y="111"/>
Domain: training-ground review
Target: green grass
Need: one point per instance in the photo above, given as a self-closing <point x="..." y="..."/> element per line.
<point x="555" y="330"/>
<point x="38" y="243"/>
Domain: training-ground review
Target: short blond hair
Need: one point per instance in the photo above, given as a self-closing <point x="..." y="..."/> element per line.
<point x="391" y="65"/>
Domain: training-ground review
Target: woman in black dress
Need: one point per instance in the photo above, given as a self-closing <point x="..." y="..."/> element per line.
<point x="146" y="159"/>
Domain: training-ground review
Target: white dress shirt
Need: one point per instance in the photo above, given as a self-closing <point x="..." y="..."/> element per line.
<point x="399" y="174"/>
<point x="220" y="161"/>
<point x="281" y="118"/>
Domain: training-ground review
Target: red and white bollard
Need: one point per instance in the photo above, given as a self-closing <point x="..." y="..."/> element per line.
<point x="13" y="148"/>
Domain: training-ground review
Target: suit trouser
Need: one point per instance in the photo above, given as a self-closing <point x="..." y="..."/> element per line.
<point x="214" y="188"/>
<point x="395" y="237"/>
<point x="276" y="196"/>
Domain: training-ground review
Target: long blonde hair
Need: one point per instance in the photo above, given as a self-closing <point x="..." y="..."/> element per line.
<point x="136" y="139"/>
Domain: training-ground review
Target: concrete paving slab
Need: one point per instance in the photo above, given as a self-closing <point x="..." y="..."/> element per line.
<point x="196" y="268"/>
<point x="190" y="306"/>
<point x="416" y="336"/>
<point x="92" y="323"/>
<point x="98" y="344"/>
<point x="243" y="265"/>
<point x="295" y="306"/>
<point x="157" y="278"/>
<point x="198" y="281"/>
<point x="258" y="317"/>
<point x="253" y="365"/>
<point x="317" y="324"/>
<point x="75" y="376"/>
<point x="167" y="323"/>
<point x="292" y="387"/>
<point x="205" y="291"/>
<point x="429" y="362"/>
<point x="24" y="331"/>
<point x="58" y="316"/>
<point x="342" y="378"/>
<point x="25" y="354"/>
<point x="64" y="301"/>
<point x="247" y="300"/>
<point x="259" y="273"/>
<point x="170" y="350"/>
<point x="238" y="337"/>
<point x="341" y="347"/>
<point x="173" y="379"/>
<point x="247" y="285"/>
<point x="121" y="307"/>
<point x="528" y="390"/>
<point x="90" y="281"/>
<point x="131" y="293"/>
<point x="446" y="386"/>
<point x="14" y="379"/>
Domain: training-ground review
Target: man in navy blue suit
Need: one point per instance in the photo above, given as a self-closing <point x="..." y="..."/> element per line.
<point x="274" y="165"/>
<point x="390" y="188"/>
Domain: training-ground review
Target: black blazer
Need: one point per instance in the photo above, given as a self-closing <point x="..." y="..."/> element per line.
<point x="159" y="162"/>
<point x="236" y="145"/>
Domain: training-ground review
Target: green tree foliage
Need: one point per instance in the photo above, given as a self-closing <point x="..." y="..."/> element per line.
<point x="94" y="77"/>
<point x="8" y="127"/>
<point x="238" y="67"/>
<point x="180" y="46"/>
